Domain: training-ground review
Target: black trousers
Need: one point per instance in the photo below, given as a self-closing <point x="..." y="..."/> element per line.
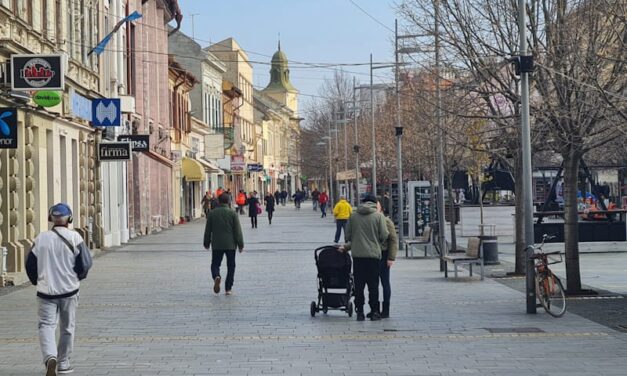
<point x="270" y="215"/>
<point x="216" y="262"/>
<point x="253" y="221"/>
<point x="366" y="272"/>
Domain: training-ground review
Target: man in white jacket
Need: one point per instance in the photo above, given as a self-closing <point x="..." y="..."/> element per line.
<point x="58" y="260"/>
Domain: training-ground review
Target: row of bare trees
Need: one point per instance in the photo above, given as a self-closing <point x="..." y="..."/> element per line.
<point x="578" y="95"/>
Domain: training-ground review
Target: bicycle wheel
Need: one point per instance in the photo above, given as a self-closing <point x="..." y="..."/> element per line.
<point x="550" y="292"/>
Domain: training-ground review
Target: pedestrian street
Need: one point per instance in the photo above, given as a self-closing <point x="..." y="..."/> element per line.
<point x="147" y="308"/>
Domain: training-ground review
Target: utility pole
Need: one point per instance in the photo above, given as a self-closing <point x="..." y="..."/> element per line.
<point x="399" y="135"/>
<point x="525" y="69"/>
<point x="440" y="149"/>
<point x="374" y="143"/>
<point x="356" y="146"/>
<point x="331" y="199"/>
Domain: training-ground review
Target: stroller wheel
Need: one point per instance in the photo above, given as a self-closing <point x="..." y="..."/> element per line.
<point x="313" y="309"/>
<point x="325" y="309"/>
<point x="349" y="309"/>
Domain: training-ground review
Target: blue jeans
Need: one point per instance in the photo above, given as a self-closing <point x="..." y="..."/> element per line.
<point x="323" y="209"/>
<point x="339" y="225"/>
<point x="384" y="275"/>
<point x="216" y="262"/>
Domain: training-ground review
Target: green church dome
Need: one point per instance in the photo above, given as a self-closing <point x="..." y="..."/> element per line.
<point x="279" y="73"/>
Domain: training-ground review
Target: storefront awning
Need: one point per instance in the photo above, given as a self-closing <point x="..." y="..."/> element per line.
<point x="210" y="167"/>
<point x="192" y="170"/>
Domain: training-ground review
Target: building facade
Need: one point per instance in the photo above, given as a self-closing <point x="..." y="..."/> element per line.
<point x="281" y="90"/>
<point x="150" y="173"/>
<point x="55" y="155"/>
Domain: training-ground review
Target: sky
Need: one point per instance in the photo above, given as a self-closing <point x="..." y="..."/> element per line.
<point x="311" y="31"/>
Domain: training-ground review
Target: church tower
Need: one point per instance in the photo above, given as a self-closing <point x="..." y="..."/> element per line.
<point x="280" y="88"/>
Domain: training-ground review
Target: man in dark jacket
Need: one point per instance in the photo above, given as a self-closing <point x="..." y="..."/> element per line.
<point x="223" y="234"/>
<point x="366" y="230"/>
<point x="57" y="262"/>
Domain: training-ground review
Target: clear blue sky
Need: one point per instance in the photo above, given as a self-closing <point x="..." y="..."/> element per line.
<point x="317" y="31"/>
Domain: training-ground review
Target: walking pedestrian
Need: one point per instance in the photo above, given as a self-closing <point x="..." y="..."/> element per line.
<point x="269" y="201"/>
<point x="206" y="203"/>
<point x="228" y="192"/>
<point x="277" y="197"/>
<point x="389" y="249"/>
<point x="323" y="199"/>
<point x="240" y="201"/>
<point x="254" y="208"/>
<point x="223" y="234"/>
<point x="298" y="198"/>
<point x="365" y="232"/>
<point x="315" y="198"/>
<point x="56" y="264"/>
<point x="342" y="211"/>
<point x="283" y="197"/>
<point x="386" y="203"/>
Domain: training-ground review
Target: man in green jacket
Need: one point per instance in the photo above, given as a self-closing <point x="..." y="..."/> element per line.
<point x="365" y="232"/>
<point x="223" y="233"/>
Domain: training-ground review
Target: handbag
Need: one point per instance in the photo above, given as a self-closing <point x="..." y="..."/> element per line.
<point x="258" y="208"/>
<point x="83" y="260"/>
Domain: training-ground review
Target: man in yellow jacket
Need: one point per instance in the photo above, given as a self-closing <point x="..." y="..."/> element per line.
<point x="342" y="212"/>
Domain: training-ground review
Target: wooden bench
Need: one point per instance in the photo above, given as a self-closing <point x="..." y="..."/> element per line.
<point x="473" y="255"/>
<point x="423" y="240"/>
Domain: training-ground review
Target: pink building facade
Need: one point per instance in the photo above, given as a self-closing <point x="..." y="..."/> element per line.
<point x="150" y="173"/>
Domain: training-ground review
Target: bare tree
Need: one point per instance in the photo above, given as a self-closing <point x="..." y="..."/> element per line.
<point x="579" y="86"/>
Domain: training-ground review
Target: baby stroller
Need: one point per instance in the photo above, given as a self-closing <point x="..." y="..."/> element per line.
<point x="334" y="272"/>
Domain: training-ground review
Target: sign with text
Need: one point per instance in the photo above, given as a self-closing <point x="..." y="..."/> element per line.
<point x="138" y="142"/>
<point x="114" y="151"/>
<point x="254" y="167"/>
<point x="80" y="106"/>
<point x="106" y="112"/>
<point x="8" y="128"/>
<point x="37" y="72"/>
<point x="238" y="164"/>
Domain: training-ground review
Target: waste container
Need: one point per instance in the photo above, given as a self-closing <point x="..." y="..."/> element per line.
<point x="490" y="249"/>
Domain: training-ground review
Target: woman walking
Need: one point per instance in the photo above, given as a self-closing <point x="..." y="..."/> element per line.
<point x="253" y="208"/>
<point x="270" y="201"/>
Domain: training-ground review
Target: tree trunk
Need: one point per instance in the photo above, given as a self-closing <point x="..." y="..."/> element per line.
<point x="480" y="194"/>
<point x="451" y="202"/>
<point x="519" y="230"/>
<point x="571" y="219"/>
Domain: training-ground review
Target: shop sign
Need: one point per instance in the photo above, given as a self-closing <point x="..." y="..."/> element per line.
<point x="238" y="164"/>
<point x="114" y="151"/>
<point x="47" y="98"/>
<point x="37" y="72"/>
<point x="254" y="167"/>
<point x="8" y="128"/>
<point x="138" y="142"/>
<point x="80" y="106"/>
<point x="106" y="112"/>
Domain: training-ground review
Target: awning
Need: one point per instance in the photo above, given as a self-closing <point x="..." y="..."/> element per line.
<point x="210" y="167"/>
<point x="192" y="170"/>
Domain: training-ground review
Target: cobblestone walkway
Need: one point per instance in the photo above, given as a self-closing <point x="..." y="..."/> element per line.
<point x="148" y="309"/>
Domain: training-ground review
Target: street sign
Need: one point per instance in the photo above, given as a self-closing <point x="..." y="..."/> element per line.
<point x="138" y="142"/>
<point x="47" y="98"/>
<point x="37" y="72"/>
<point x="106" y="112"/>
<point x="80" y="106"/>
<point x="237" y="163"/>
<point x="254" y="167"/>
<point x="8" y="128"/>
<point x="114" y="151"/>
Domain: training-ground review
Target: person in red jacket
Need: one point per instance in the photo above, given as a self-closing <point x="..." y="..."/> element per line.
<point x="240" y="201"/>
<point x="323" y="199"/>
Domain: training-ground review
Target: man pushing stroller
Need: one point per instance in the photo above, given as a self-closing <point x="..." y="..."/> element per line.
<point x="366" y="230"/>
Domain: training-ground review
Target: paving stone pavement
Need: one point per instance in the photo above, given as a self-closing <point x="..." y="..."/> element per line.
<point x="148" y="309"/>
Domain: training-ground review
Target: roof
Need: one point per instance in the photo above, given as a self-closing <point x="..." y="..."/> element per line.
<point x="280" y="73"/>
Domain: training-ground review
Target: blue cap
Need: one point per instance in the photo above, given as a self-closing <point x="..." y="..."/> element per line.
<point x="60" y="210"/>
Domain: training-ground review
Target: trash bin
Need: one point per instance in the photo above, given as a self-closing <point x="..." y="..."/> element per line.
<point x="490" y="249"/>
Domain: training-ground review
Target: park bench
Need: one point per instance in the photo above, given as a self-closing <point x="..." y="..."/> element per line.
<point x="423" y="240"/>
<point x="473" y="255"/>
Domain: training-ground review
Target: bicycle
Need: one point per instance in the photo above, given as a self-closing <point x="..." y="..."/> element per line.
<point x="549" y="288"/>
